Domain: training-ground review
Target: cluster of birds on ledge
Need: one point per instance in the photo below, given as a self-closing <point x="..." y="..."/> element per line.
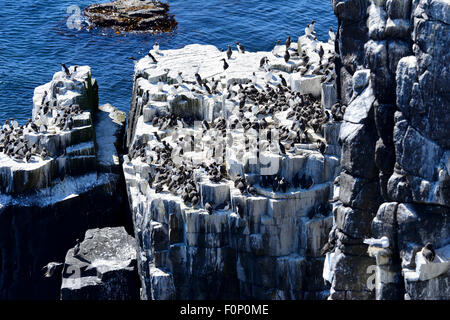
<point x="14" y="144"/>
<point x="256" y="109"/>
<point x="49" y="117"/>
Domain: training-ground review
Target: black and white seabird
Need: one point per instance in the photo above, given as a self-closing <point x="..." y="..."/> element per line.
<point x="283" y="81"/>
<point x="199" y="79"/>
<point x="66" y="70"/>
<point x="156" y="47"/>
<point x="288" y="42"/>
<point x="263" y="62"/>
<point x="229" y="52"/>
<point x="209" y="208"/>
<point x="287" y="56"/>
<point x="428" y="252"/>
<point x="225" y="64"/>
<point x="76" y="250"/>
<point x="311" y="27"/>
<point x="152" y="57"/>
<point x="331" y="34"/>
<point x="240" y="47"/>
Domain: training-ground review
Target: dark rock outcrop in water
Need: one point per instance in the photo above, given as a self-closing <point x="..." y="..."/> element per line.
<point x="105" y="267"/>
<point x="132" y="15"/>
<point x="48" y="201"/>
<point x="395" y="150"/>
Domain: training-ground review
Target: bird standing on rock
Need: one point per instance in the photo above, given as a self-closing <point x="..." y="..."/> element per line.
<point x="428" y="252"/>
<point x="156" y="47"/>
<point x="229" y="52"/>
<point x="307" y="30"/>
<point x="283" y="81"/>
<point x="199" y="79"/>
<point x="321" y="146"/>
<point x="287" y="56"/>
<point x="263" y="62"/>
<point x="288" y="42"/>
<point x="65" y="69"/>
<point x="311" y="27"/>
<point x="209" y="208"/>
<point x="152" y="57"/>
<point x="225" y="64"/>
<point x="240" y="47"/>
<point x="331" y="34"/>
<point x="76" y="250"/>
<point x="180" y="78"/>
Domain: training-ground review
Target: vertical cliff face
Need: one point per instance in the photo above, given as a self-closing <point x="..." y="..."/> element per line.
<point x="243" y="236"/>
<point x="395" y="149"/>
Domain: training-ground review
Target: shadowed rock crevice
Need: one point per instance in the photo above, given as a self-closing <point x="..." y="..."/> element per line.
<point x="404" y="50"/>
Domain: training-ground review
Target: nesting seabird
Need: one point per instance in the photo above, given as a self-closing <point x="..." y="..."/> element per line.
<point x="331" y="34"/>
<point x="288" y="42"/>
<point x="307" y="30"/>
<point x="156" y="48"/>
<point x="311" y="26"/>
<point x="209" y="208"/>
<point x="225" y="64"/>
<point x="199" y="79"/>
<point x="287" y="56"/>
<point x="428" y="252"/>
<point x="65" y="69"/>
<point x="283" y="81"/>
<point x="76" y="250"/>
<point x="229" y="52"/>
<point x="240" y="47"/>
<point x="263" y="62"/>
<point x="180" y="78"/>
<point x="152" y="57"/>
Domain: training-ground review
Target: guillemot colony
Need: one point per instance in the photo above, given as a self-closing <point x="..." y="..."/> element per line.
<point x="233" y="167"/>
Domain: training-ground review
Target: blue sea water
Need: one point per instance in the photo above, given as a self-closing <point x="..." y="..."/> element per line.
<point x="35" y="39"/>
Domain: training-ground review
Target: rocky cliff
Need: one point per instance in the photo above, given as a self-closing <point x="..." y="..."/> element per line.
<point x="59" y="176"/>
<point x="222" y="210"/>
<point x="393" y="75"/>
<point x="242" y="170"/>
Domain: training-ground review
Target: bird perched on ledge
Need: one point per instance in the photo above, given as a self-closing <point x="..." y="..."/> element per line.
<point x="209" y="208"/>
<point x="152" y="57"/>
<point x="229" y="52"/>
<point x="156" y="48"/>
<point x="288" y="42"/>
<point x="428" y="252"/>
<point x="240" y="47"/>
<point x="225" y="64"/>
<point x="287" y="56"/>
<point x="65" y="69"/>
<point x="76" y="250"/>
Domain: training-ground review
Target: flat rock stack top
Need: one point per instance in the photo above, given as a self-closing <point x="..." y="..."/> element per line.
<point x="221" y="210"/>
<point x="132" y="15"/>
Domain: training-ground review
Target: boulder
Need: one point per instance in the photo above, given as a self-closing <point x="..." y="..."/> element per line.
<point x="105" y="267"/>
